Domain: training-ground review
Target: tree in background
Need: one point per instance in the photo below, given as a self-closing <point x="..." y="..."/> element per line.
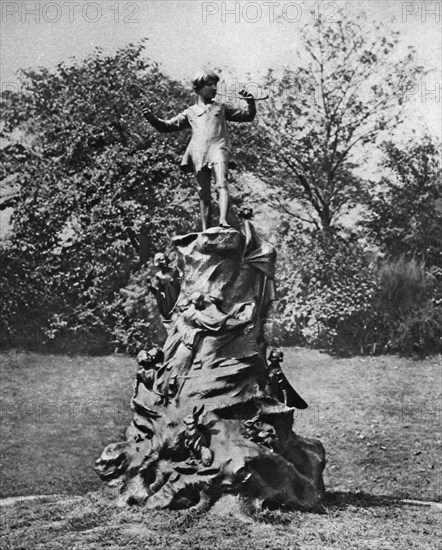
<point x="323" y="114"/>
<point x="332" y="296"/>
<point x="405" y="221"/>
<point x="98" y="194"/>
<point x="321" y="122"/>
<point x="405" y="209"/>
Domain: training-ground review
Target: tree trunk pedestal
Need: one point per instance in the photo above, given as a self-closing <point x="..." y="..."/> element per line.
<point x="206" y="421"/>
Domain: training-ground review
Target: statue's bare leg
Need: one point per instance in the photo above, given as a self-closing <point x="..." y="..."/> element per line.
<point x="220" y="170"/>
<point x="203" y="178"/>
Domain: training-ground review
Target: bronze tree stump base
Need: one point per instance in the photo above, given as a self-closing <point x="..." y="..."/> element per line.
<point x="207" y="423"/>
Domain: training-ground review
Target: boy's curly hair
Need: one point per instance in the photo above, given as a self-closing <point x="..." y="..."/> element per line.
<point x="202" y="77"/>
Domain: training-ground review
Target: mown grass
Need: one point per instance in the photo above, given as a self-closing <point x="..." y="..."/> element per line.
<point x="378" y="417"/>
<point x="93" y="522"/>
<point x="58" y="413"/>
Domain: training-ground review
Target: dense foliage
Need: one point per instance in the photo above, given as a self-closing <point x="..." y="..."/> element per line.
<point x="333" y="296"/>
<point x="326" y="292"/>
<point x="404" y="219"/>
<point x="99" y="194"/>
<point x="405" y="209"/>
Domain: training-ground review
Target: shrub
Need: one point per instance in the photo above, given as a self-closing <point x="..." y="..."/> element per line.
<point x="331" y="297"/>
<point x="326" y="293"/>
<point x="404" y="215"/>
<point x="408" y="307"/>
<point x="137" y="319"/>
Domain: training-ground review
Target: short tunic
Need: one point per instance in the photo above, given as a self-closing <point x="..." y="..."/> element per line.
<point x="210" y="142"/>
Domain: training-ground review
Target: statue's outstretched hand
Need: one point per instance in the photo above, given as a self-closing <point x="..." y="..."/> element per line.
<point x="147" y="111"/>
<point x="246" y="95"/>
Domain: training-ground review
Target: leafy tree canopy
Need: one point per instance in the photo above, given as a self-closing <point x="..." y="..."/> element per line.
<point x="405" y="210"/>
<point x="99" y="191"/>
<point x="334" y="104"/>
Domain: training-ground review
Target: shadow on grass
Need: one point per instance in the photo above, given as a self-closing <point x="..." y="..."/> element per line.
<point x="333" y="502"/>
<point x="342" y="500"/>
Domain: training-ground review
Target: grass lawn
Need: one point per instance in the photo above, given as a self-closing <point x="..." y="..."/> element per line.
<point x="58" y="413"/>
<point x="378" y="418"/>
<point x="93" y="522"/>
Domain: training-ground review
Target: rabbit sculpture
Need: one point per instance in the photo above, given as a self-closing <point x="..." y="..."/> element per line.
<point x="195" y="440"/>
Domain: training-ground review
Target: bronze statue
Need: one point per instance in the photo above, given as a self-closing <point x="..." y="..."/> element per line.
<point x="166" y="286"/>
<point x="260" y="432"/>
<point x="209" y="151"/>
<point x="261" y="255"/>
<point x="279" y="385"/>
<point x="150" y="362"/>
<point x="214" y="360"/>
<point x="195" y="441"/>
<point x="148" y="399"/>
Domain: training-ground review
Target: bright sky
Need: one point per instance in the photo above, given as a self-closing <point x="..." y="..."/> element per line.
<point x="184" y="35"/>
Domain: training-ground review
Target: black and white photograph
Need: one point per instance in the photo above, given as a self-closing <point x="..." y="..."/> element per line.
<point x="220" y="275"/>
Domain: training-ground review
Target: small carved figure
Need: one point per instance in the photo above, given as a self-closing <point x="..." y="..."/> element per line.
<point x="245" y="213"/>
<point x="166" y="286"/>
<point x="182" y="341"/>
<point x="172" y="387"/>
<point x="150" y="362"/>
<point x="154" y="356"/>
<point x="211" y="315"/>
<point x="260" y="432"/>
<point x="195" y="441"/>
<point x="209" y="150"/>
<point x="280" y="387"/>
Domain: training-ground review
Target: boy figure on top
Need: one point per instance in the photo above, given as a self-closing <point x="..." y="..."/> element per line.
<point x="209" y="151"/>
